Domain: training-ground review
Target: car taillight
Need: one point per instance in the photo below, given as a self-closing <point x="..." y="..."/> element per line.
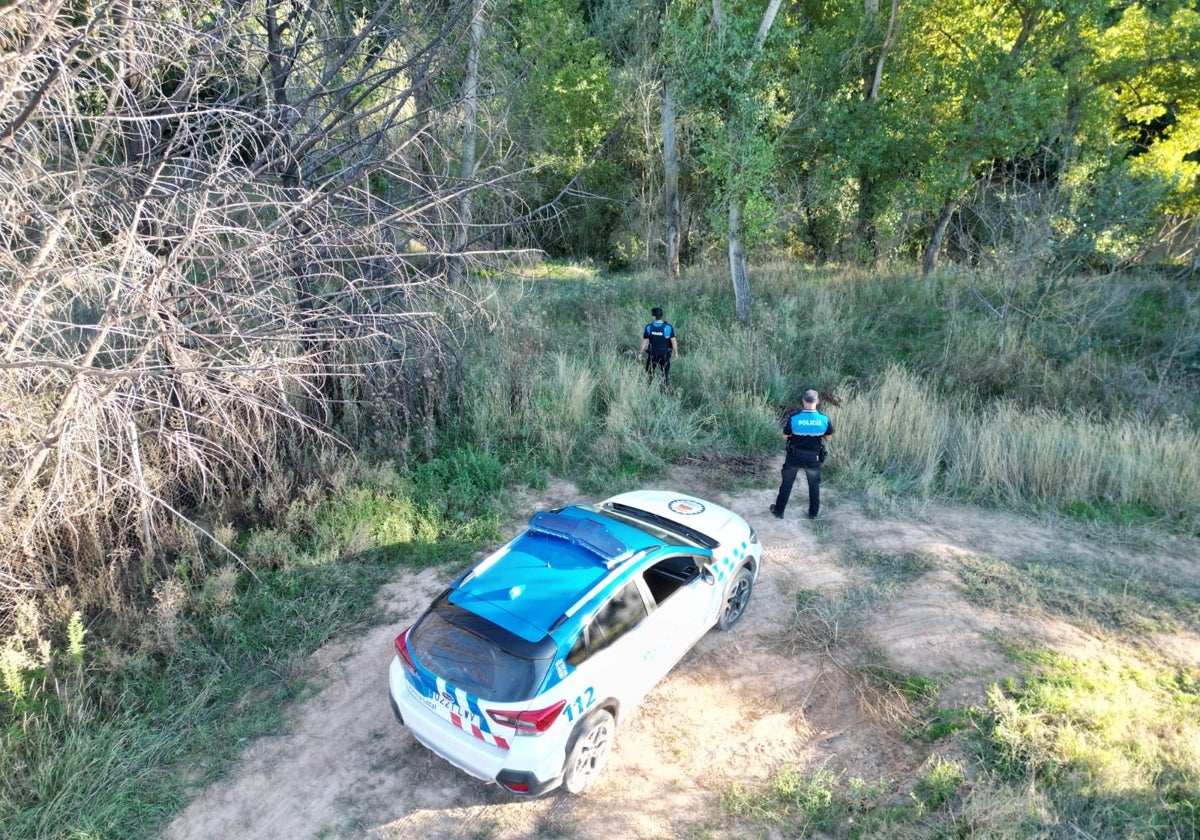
<point x="402" y="652"/>
<point x="531" y="722"/>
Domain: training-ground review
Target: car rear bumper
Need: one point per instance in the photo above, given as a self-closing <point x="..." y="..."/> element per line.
<point x="531" y="766"/>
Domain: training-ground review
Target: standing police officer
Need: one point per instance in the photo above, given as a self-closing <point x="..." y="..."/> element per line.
<point x="805" y="432"/>
<point x="659" y="337"/>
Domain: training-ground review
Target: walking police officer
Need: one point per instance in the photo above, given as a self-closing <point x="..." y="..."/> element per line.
<point x="658" y="342"/>
<point x="805" y="432"/>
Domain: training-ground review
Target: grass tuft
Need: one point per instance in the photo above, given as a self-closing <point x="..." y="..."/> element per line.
<point x="793" y="798"/>
<point x="1114" y="743"/>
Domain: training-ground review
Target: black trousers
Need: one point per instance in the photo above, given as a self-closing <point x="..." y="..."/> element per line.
<point x="662" y="363"/>
<point x="796" y="460"/>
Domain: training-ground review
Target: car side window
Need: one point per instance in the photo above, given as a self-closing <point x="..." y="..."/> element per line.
<point x="622" y="613"/>
<point x="618" y="616"/>
<point x="579" y="651"/>
<point x="667" y="576"/>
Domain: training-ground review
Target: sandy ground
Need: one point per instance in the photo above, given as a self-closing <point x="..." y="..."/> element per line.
<point x="738" y="707"/>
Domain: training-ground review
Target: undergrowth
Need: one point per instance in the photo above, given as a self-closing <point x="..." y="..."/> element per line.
<point x="107" y="738"/>
<point x="110" y="718"/>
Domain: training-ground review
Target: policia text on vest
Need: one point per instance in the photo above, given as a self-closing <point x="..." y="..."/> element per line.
<point x="805" y="432"/>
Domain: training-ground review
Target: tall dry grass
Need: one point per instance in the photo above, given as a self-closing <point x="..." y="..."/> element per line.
<point x="925" y="410"/>
<point x="896" y="427"/>
<point x="1017" y="456"/>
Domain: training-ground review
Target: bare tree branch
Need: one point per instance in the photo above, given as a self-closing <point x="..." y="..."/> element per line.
<point x="205" y="230"/>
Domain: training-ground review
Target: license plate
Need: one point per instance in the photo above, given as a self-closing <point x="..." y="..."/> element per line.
<point x="446" y="706"/>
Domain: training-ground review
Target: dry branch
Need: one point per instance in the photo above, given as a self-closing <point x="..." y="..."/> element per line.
<point x="199" y="270"/>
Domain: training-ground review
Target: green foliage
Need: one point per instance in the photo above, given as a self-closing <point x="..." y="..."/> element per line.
<point x="463" y="482"/>
<point x="75" y="634"/>
<point x="1161" y="121"/>
<point x="796" y="799"/>
<point x="968" y="98"/>
<point x="76" y="770"/>
<point x="568" y="87"/>
<point x="564" y="108"/>
<point x="154" y="708"/>
<point x="1114" y="741"/>
<point x="937" y="783"/>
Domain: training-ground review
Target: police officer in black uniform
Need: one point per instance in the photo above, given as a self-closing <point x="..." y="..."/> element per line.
<point x="805" y="432"/>
<point x="658" y="342"/>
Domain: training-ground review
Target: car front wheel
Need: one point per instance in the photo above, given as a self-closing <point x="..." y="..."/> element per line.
<point x="737" y="597"/>
<point x="589" y="750"/>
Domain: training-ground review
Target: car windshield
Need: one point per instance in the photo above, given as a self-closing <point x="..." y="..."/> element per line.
<point x="476" y="656"/>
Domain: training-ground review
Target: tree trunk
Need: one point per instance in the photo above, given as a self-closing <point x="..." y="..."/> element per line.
<point x="872" y="76"/>
<point x="325" y="401"/>
<point x="934" y="248"/>
<point x="470" y="104"/>
<point x="865" y="228"/>
<point x="742" y="299"/>
<point x="671" y="174"/>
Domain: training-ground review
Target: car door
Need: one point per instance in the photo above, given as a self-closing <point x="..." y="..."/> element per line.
<point x="684" y="602"/>
<point x="608" y="655"/>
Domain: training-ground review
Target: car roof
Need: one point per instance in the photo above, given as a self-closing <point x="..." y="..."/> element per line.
<point x="705" y="520"/>
<point x="527" y="586"/>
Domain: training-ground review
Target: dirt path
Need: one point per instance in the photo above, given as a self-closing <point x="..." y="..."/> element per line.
<point x="738" y="707"/>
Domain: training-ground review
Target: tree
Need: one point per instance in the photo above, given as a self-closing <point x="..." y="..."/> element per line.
<point x="671" y="180"/>
<point x="470" y="105"/>
<point x="204" y="221"/>
<point x="872" y="64"/>
<point x="718" y="57"/>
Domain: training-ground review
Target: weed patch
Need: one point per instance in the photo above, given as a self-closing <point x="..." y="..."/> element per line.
<point x="1114" y="744"/>
<point x="1090" y="591"/>
<point x="794" y="799"/>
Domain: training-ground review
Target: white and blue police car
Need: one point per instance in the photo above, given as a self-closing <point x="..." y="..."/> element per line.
<point x="520" y="671"/>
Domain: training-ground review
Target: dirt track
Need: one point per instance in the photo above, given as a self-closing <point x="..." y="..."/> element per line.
<point x="738" y="707"/>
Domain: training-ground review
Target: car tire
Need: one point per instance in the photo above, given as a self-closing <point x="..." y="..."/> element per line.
<point x="588" y="752"/>
<point x="737" y="598"/>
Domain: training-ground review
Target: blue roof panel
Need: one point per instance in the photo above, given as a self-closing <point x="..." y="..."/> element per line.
<point x="542" y="574"/>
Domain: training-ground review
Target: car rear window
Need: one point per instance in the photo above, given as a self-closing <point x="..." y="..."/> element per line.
<point x="468" y="652"/>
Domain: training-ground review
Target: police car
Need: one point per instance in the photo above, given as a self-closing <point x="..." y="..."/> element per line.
<point x="521" y="670"/>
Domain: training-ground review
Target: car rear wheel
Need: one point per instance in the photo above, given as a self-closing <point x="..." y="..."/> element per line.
<point x="737" y="597"/>
<point x="589" y="750"/>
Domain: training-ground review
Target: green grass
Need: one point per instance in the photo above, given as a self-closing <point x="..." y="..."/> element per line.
<point x="1114" y="743"/>
<point x="795" y="799"/>
<point x="162" y="705"/>
<point x="75" y="769"/>
<point x="1086" y="412"/>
